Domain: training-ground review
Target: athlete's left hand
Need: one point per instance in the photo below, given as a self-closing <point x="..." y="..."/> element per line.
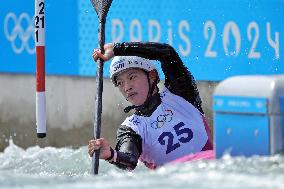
<point x="107" y="55"/>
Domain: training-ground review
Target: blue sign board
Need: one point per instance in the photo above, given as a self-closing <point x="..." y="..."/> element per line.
<point x="215" y="39"/>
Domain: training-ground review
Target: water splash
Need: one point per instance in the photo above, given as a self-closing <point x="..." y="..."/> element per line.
<point x="38" y="167"/>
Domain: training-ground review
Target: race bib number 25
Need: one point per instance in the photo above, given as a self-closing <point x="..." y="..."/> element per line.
<point x="167" y="138"/>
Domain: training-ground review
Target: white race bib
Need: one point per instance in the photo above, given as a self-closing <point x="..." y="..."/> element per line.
<point x="175" y="129"/>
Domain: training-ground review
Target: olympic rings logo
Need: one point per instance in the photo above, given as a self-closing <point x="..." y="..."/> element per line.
<point x="15" y="31"/>
<point x="162" y="119"/>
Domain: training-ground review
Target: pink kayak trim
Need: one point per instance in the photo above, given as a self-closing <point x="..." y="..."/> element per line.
<point x="209" y="154"/>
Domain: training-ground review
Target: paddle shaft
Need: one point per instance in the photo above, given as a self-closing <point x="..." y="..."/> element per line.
<point x="98" y="102"/>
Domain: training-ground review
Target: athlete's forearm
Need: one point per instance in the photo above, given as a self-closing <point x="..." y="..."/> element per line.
<point x="125" y="161"/>
<point x="128" y="148"/>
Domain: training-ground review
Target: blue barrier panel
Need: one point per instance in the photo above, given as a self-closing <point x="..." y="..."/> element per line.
<point x="257" y="105"/>
<point x="249" y="137"/>
<point x="216" y="39"/>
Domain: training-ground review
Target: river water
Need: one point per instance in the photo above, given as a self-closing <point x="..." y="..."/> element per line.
<point x="69" y="168"/>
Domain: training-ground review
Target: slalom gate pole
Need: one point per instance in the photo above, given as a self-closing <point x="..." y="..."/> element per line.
<point x="40" y="68"/>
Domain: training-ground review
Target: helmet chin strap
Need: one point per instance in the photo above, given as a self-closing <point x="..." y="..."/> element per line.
<point x="150" y="94"/>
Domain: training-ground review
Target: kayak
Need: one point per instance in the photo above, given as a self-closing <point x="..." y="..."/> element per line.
<point x="204" y="155"/>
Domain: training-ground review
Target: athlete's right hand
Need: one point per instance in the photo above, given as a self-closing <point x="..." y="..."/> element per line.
<point x="107" y="55"/>
<point x="102" y="144"/>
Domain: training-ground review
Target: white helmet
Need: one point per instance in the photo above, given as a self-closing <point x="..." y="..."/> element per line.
<point x="122" y="63"/>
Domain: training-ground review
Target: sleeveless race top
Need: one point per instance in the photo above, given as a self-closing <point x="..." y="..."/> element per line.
<point x="176" y="128"/>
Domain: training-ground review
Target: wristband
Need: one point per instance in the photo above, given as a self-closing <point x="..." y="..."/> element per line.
<point x="115" y="156"/>
<point x="111" y="154"/>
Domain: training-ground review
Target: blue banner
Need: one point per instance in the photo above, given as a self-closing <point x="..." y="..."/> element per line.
<point x="17" y="53"/>
<point x="215" y="39"/>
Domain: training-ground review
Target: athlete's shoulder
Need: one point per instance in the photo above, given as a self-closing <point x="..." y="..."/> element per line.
<point x="177" y="101"/>
<point x="132" y="121"/>
<point x="166" y="94"/>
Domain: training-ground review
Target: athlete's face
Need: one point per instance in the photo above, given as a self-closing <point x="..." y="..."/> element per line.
<point x="134" y="86"/>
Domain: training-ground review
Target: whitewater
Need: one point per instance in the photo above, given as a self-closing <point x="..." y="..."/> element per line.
<point x="68" y="168"/>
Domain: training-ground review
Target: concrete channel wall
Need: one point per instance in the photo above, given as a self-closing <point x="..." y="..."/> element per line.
<point x="70" y="110"/>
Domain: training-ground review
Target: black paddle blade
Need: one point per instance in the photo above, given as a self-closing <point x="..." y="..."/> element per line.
<point x="101" y="7"/>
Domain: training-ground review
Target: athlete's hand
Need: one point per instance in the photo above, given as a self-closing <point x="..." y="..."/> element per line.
<point x="107" y="55"/>
<point x="101" y="144"/>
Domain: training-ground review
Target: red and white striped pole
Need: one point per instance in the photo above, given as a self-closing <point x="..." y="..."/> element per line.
<point x="40" y="68"/>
